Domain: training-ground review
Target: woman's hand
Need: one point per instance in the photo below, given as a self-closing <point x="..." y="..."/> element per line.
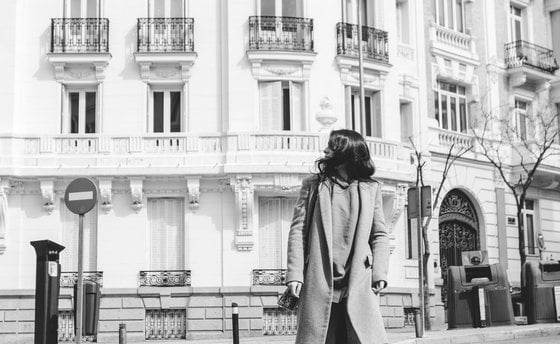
<point x="379" y="286"/>
<point x="295" y="288"/>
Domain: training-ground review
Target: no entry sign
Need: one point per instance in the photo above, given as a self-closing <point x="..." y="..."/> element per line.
<point x="80" y="196"/>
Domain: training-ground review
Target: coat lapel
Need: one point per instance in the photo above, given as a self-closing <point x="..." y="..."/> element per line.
<point x="324" y="198"/>
<point x="367" y="205"/>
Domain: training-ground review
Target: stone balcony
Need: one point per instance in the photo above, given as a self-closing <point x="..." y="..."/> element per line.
<point x="181" y="154"/>
<point x="453" y="44"/>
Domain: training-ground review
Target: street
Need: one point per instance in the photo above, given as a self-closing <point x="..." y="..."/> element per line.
<point x="540" y="340"/>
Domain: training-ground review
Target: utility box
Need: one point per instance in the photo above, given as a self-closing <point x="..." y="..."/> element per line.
<point x="90" y="315"/>
<point x="479" y="296"/>
<point x="541" y="291"/>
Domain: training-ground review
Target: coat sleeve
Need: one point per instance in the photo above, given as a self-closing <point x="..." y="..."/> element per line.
<point x="297" y="236"/>
<point x="379" y="240"/>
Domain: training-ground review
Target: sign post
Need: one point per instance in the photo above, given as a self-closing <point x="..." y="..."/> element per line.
<point x="80" y="197"/>
<point x="420" y="206"/>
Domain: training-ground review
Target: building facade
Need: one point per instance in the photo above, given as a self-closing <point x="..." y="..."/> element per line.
<point x="198" y="121"/>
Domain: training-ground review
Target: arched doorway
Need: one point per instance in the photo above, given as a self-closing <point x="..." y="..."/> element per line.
<point x="458" y="232"/>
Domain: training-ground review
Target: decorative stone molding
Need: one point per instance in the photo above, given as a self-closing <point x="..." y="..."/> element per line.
<point x="244" y="190"/>
<point x="326" y="116"/>
<point x="407" y="83"/>
<point x="4" y="189"/>
<point x="269" y="65"/>
<point x="137" y="193"/>
<point x="47" y="191"/>
<point x="105" y="195"/>
<point x="517" y="79"/>
<point x="398" y="205"/>
<point x="79" y="68"/>
<point x="374" y="73"/>
<point x="193" y="188"/>
<point x="171" y="67"/>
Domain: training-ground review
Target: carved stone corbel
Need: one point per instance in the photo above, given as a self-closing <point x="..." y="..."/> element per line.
<point x="105" y="195"/>
<point x="137" y="193"/>
<point x="244" y="189"/>
<point x="4" y="188"/>
<point x="398" y="205"/>
<point x="193" y="188"/>
<point x="47" y="191"/>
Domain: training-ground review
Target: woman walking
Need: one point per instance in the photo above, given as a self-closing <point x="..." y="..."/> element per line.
<point x="338" y="248"/>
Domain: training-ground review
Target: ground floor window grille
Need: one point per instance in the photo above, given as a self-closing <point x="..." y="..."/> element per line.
<point x="278" y="321"/>
<point x="166" y="324"/>
<point x="409" y="315"/>
<point x="66" y="328"/>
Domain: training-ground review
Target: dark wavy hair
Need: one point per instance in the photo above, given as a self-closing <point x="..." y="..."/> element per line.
<point x="348" y="148"/>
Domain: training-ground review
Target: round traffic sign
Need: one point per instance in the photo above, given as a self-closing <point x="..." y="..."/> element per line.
<point x="80" y="196"/>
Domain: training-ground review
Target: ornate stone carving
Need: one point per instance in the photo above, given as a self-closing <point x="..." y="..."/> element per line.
<point x="281" y="70"/>
<point x="137" y="193"/>
<point x="244" y="189"/>
<point x="80" y="74"/>
<point x="193" y="188"/>
<point x="517" y="79"/>
<point x="326" y="116"/>
<point x="105" y="195"/>
<point x="398" y="205"/>
<point x="47" y="191"/>
<point x="4" y="187"/>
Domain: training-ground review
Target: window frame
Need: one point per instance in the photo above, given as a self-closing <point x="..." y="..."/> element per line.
<point x="67" y="13"/>
<point x="404" y="35"/>
<point x="166" y="9"/>
<point x="409" y="115"/>
<point x="518" y="113"/>
<point x="279" y="10"/>
<point x="181" y="219"/>
<point x="66" y="126"/>
<point x="288" y="89"/>
<point x="532" y="250"/>
<point x="446" y="20"/>
<point x="513" y="18"/>
<point x="355" y="121"/>
<point x="167" y="89"/>
<point x="439" y="93"/>
<point x="411" y="237"/>
<point x="285" y="221"/>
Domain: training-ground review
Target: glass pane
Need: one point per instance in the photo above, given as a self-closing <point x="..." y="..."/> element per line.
<point x="176" y="10"/>
<point x="443" y="111"/>
<point x="74" y="112"/>
<point x="368" y="115"/>
<point x="521" y="118"/>
<point x="529" y="204"/>
<point x="353" y="107"/>
<point x="517" y="33"/>
<point x="175" y="109"/>
<point x="530" y="234"/>
<point x="268" y="7"/>
<point x="453" y="112"/>
<point x="90" y="112"/>
<point x="463" y="114"/>
<point x="459" y="12"/>
<point x="449" y="14"/>
<point x="92" y="8"/>
<point x="75" y="8"/>
<point x="441" y="16"/>
<point x="286" y="108"/>
<point x="436" y="106"/>
<point x="158" y="112"/>
<point x="159" y="8"/>
<point x="363" y="12"/>
<point x="452" y="88"/>
<point x="291" y="8"/>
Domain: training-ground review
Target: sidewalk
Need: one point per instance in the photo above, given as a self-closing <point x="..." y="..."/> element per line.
<point x="458" y="336"/>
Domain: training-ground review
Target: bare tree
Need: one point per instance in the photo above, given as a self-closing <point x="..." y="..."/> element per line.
<point x="452" y="155"/>
<point x="517" y="145"/>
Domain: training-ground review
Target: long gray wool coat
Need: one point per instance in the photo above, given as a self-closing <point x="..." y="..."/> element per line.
<point x="369" y="263"/>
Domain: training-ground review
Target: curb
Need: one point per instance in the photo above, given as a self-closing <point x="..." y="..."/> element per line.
<point x="488" y="335"/>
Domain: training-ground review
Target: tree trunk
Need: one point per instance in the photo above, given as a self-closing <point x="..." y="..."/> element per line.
<point x="427" y="325"/>
<point x="521" y="234"/>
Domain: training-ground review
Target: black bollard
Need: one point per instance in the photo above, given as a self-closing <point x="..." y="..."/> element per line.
<point x="122" y="333"/>
<point x="235" y="321"/>
<point x="418" y="325"/>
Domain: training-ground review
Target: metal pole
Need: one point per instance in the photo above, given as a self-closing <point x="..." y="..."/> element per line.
<point x="122" y="333"/>
<point x="80" y="283"/>
<point x="361" y="70"/>
<point x="235" y="321"/>
<point x="420" y="332"/>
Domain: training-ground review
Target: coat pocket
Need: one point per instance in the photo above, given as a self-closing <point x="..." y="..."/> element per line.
<point x="369" y="261"/>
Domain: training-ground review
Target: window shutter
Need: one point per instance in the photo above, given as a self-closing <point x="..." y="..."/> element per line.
<point x="270" y="234"/>
<point x="288" y="205"/>
<point x="69" y="239"/>
<point x="166" y="234"/>
<point x="377" y="114"/>
<point x="296" y="106"/>
<point x="271" y="105"/>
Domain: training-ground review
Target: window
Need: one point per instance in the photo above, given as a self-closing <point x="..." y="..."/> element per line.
<point x="281" y="8"/>
<point x="403" y="21"/>
<point x="281" y="105"/>
<point x="451" y="107"/>
<point x="411" y="242"/>
<point x="167" y="233"/>
<point x="370" y="123"/>
<point x="275" y="215"/>
<point x="166" y="110"/>
<point x="350" y="12"/>
<point x="450" y="14"/>
<point x="521" y="118"/>
<point x="80" y="114"/>
<point x="166" y="8"/>
<point x="82" y="9"/>
<point x="558" y="123"/>
<point x="528" y="221"/>
<point x="407" y="126"/>
<point x="69" y="239"/>
<point x="516" y="23"/>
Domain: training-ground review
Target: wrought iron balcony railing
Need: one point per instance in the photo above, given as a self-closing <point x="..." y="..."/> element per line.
<point x="166" y="324"/>
<point x="165" y="278"/>
<point x="374" y="42"/>
<point x="79" y="35"/>
<point x="269" y="276"/>
<point x="280" y="33"/>
<point x="70" y="278"/>
<point x="165" y="34"/>
<point x="522" y="53"/>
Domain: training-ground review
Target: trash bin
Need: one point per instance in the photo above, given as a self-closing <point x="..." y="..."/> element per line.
<point x="541" y="279"/>
<point x="90" y="311"/>
<point x="479" y="296"/>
